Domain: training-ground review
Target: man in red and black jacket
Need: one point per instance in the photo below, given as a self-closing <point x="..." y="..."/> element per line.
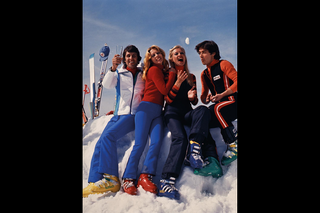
<point x="220" y="77"/>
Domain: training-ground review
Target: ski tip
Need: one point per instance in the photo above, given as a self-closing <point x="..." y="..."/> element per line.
<point x="91" y="56"/>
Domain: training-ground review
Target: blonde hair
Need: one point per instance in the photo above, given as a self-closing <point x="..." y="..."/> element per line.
<point x="148" y="63"/>
<point x="186" y="68"/>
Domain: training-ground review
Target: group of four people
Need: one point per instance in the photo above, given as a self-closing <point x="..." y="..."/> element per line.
<point x="140" y="95"/>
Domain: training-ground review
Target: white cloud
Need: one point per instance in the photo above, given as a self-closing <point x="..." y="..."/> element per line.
<point x="102" y="25"/>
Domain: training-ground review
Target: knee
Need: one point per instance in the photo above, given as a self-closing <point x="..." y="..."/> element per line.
<point x="109" y="136"/>
<point x="203" y="110"/>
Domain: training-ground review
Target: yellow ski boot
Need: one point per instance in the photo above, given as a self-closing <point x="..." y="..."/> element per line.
<point x="109" y="183"/>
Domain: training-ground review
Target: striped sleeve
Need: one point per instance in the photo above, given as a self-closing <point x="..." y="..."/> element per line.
<point x="172" y="94"/>
<point x="195" y="100"/>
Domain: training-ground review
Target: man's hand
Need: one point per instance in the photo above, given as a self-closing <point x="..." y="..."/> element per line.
<point x="116" y="60"/>
<point x="216" y="98"/>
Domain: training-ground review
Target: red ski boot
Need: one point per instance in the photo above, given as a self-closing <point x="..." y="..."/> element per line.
<point x="145" y="181"/>
<point x="129" y="187"/>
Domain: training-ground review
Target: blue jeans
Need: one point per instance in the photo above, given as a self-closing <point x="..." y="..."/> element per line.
<point x="148" y="120"/>
<point x="105" y="158"/>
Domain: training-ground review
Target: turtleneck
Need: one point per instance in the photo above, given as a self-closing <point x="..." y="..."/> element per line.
<point x="160" y="66"/>
<point x="213" y="62"/>
<point x="179" y="68"/>
<point x="133" y="71"/>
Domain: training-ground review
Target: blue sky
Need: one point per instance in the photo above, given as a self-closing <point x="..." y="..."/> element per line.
<point x="165" y="23"/>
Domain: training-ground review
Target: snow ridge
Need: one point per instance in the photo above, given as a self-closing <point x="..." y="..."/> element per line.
<point x="198" y="194"/>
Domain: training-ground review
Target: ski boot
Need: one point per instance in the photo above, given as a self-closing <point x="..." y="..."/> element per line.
<point x="168" y="190"/>
<point x="211" y="168"/>
<point x="109" y="183"/>
<point x="145" y="180"/>
<point x="129" y="187"/>
<point x="195" y="158"/>
<point x="231" y="153"/>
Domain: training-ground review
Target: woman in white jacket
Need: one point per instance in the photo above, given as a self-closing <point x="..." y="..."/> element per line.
<point x="103" y="175"/>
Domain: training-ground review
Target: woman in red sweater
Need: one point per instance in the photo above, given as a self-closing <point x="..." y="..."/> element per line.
<point x="148" y="120"/>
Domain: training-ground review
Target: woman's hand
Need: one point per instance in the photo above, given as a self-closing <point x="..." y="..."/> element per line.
<point x="208" y="98"/>
<point x="182" y="75"/>
<point x="192" y="93"/>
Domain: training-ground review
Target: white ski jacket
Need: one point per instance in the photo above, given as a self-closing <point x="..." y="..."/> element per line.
<point x="129" y="91"/>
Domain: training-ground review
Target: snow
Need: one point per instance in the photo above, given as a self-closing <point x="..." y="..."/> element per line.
<point x="198" y="194"/>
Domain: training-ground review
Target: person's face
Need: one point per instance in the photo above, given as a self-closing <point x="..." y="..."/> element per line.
<point x="156" y="56"/>
<point x="205" y="56"/>
<point x="178" y="57"/>
<point x="131" y="59"/>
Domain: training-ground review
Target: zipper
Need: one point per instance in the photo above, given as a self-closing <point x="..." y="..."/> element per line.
<point x="134" y="79"/>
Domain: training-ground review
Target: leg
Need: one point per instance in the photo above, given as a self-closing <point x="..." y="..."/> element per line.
<point x="178" y="146"/>
<point x="104" y="159"/>
<point x="199" y="120"/>
<point x="146" y="112"/>
<point x="211" y="163"/>
<point x="209" y="148"/>
<point x="150" y="164"/>
<point x="156" y="136"/>
<point x="109" y="157"/>
<point x="225" y="112"/>
<point x="141" y="135"/>
<point x="223" y="115"/>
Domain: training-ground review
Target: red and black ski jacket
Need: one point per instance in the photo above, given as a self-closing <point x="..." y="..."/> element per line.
<point x="218" y="77"/>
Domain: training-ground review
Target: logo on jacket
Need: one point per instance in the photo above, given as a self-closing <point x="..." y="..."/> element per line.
<point x="216" y="77"/>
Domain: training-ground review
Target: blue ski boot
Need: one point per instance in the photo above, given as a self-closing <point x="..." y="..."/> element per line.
<point x="195" y="158"/>
<point x="168" y="190"/>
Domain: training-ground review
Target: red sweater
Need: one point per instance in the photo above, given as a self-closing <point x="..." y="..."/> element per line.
<point x="155" y="86"/>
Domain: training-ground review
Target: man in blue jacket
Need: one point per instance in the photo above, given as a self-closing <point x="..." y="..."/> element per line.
<point x="103" y="175"/>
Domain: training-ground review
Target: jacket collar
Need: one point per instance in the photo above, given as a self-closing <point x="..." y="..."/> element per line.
<point x="122" y="69"/>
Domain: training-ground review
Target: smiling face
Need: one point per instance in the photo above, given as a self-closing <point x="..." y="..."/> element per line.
<point x="178" y="57"/>
<point x="156" y="56"/>
<point x="131" y="59"/>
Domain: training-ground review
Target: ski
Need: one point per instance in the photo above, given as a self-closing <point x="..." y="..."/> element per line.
<point x="84" y="116"/>
<point x="104" y="53"/>
<point x="92" y="84"/>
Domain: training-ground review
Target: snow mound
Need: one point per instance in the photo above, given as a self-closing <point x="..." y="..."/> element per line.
<point x="198" y="194"/>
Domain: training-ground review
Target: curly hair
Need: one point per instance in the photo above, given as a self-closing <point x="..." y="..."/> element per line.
<point x="148" y="62"/>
